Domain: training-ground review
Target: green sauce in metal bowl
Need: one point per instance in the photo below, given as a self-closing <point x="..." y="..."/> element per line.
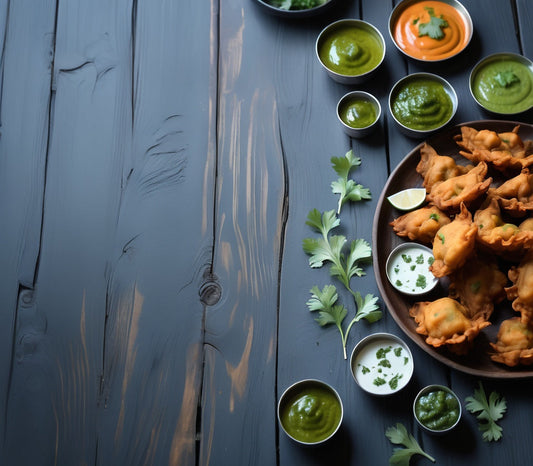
<point x="504" y="86"/>
<point x="311" y="414"/>
<point x="358" y="112"/>
<point x="422" y="104"/>
<point x="351" y="51"/>
<point x="437" y="410"/>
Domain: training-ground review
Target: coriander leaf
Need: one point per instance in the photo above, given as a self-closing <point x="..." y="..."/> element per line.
<point x="435" y="26"/>
<point x="398" y="435"/>
<point x="367" y="308"/>
<point x="487" y="412"/>
<point x="323" y="223"/>
<point x="360" y="251"/>
<point x="328" y="312"/>
<point x="348" y="190"/>
<point x="506" y="78"/>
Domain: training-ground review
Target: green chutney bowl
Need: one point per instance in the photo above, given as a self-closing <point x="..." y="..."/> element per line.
<point x="502" y="83"/>
<point x="358" y="113"/>
<point x="310" y="412"/>
<point x="350" y="50"/>
<point x="437" y="409"/>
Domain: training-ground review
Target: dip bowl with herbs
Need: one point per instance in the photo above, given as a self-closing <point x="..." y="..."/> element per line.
<point x="382" y="364"/>
<point x="502" y="83"/>
<point x="437" y="409"/>
<point x="310" y="412"/>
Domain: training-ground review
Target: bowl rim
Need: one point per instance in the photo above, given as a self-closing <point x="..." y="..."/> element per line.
<point x="406" y="3"/>
<point x="436" y="387"/>
<point x="494" y="57"/>
<point x="363" y="94"/>
<point x="296" y="13"/>
<point x="435" y="77"/>
<point x="394" y="252"/>
<point x="381" y="336"/>
<point x="304" y="382"/>
<point x="358" y="22"/>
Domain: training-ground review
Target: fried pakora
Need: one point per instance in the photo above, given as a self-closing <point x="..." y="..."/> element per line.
<point x="514" y="344"/>
<point x="505" y="151"/>
<point x="449" y="194"/>
<point x="478" y="285"/>
<point x="521" y="293"/>
<point x="445" y="323"/>
<point x="498" y="236"/>
<point x="435" y="168"/>
<point x="421" y="224"/>
<point x="454" y="244"/>
<point x="515" y="195"/>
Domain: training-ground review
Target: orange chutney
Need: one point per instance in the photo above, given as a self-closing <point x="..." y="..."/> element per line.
<point x="415" y="43"/>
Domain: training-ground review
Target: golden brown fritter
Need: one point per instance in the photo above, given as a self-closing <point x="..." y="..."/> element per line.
<point x="421" y="224"/>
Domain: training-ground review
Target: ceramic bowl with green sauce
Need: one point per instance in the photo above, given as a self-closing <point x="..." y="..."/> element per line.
<point x="310" y="412"/>
<point x="350" y="50"/>
<point x="382" y="364"/>
<point x="437" y="409"/>
<point x="358" y="112"/>
<point x="502" y="83"/>
<point x="422" y="103"/>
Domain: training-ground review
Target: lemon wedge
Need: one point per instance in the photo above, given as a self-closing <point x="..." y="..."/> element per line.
<point x="408" y="199"/>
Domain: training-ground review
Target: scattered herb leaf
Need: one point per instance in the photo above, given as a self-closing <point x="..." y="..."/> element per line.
<point x="434" y="217"/>
<point x="421" y="281"/>
<point x="487" y="411"/>
<point x="348" y="189"/>
<point x="398" y="435"/>
<point x="506" y="78"/>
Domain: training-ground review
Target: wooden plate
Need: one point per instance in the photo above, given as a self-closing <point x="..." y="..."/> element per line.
<point x="477" y="361"/>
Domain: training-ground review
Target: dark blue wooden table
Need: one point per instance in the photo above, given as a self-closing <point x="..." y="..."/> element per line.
<point x="157" y="163"/>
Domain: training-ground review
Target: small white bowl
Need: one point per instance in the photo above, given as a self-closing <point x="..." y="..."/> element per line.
<point x="405" y="266"/>
<point x="358" y="51"/>
<point x="382" y="364"/>
<point x="435" y="415"/>
<point x="413" y="130"/>
<point x="349" y="99"/>
<point x="515" y="101"/>
<point x="299" y="397"/>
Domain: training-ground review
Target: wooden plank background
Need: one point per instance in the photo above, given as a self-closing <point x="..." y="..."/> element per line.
<point x="157" y="163"/>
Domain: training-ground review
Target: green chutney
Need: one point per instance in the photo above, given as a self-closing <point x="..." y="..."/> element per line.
<point x="437" y="410"/>
<point x="358" y="112"/>
<point x="311" y="414"/>
<point x="351" y="51"/>
<point x="504" y="86"/>
<point x="422" y="104"/>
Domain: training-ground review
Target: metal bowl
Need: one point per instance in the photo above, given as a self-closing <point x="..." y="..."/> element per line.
<point x="317" y="10"/>
<point x="371" y="31"/>
<point x="402" y="7"/>
<point x="427" y="390"/>
<point x="481" y="77"/>
<point x="412" y="131"/>
<point x="294" y="395"/>
<point x="382" y="364"/>
<point x="362" y="131"/>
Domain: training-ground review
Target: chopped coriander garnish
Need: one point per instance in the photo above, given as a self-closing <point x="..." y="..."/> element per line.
<point x="431" y="260"/>
<point x="434" y="27"/>
<point x="434" y="217"/>
<point x="441" y="237"/>
<point x="407" y="258"/>
<point x="379" y="381"/>
<point x="385" y="363"/>
<point x="382" y="352"/>
<point x="393" y="383"/>
<point x="421" y="281"/>
<point x="398" y="351"/>
<point x="413" y="267"/>
<point x="398" y="283"/>
<point x="506" y="78"/>
<point x="420" y="259"/>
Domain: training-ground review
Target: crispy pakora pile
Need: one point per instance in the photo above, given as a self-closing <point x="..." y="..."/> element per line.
<point x="446" y="322"/>
<point x="479" y="222"/>
<point x="514" y="343"/>
<point x="421" y="224"/>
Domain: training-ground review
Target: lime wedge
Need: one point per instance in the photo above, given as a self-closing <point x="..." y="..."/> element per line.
<point x="408" y="199"/>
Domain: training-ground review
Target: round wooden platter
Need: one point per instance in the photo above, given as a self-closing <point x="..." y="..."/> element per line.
<point x="477" y="361"/>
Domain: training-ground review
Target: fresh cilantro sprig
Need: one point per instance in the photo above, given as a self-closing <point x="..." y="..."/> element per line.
<point x="331" y="313"/>
<point x="398" y="435"/>
<point x="347" y="189"/>
<point x="487" y="411"/>
<point x="506" y="78"/>
<point x="434" y="28"/>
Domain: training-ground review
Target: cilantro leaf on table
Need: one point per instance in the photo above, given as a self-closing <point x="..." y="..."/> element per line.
<point x="434" y="27"/>
<point x="487" y="411"/>
<point x="348" y="189"/>
<point x="398" y="435"/>
<point x="367" y="308"/>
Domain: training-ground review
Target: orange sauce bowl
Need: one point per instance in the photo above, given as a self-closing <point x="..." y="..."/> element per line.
<point x="430" y="30"/>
